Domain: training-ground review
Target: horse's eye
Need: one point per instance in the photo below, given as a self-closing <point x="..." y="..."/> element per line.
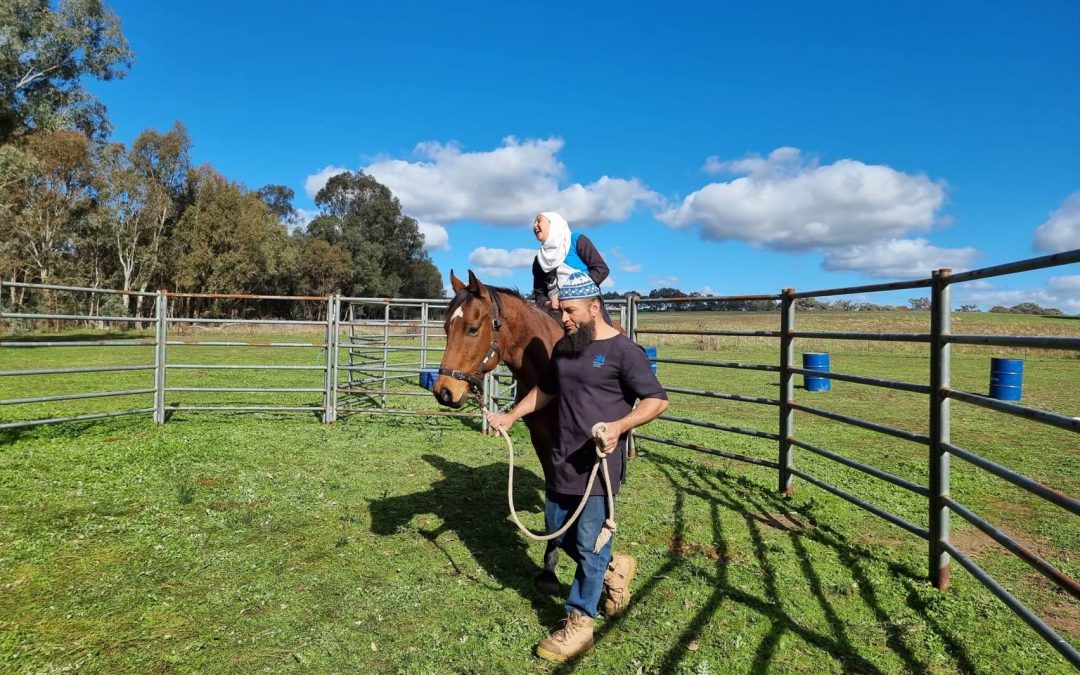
<point x="473" y="330"/>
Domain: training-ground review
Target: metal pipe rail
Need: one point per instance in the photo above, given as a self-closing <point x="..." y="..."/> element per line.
<point x="1033" y="341"/>
<point x="1042" y="262"/>
<point x="720" y="427"/>
<point x="74" y="397"/>
<point x="1044" y="416"/>
<point x="883" y="337"/>
<point x="863" y="379"/>
<point x="216" y="343"/>
<point x="279" y="322"/>
<point x="1057" y="497"/>
<point x="248" y="408"/>
<point x="76" y="317"/>
<point x="80" y="343"/>
<point x="75" y="418"/>
<point x="1045" y="632"/>
<point x="868" y="288"/>
<point x="722" y="395"/>
<point x="78" y="289"/>
<point x="859" y="466"/>
<point x="720" y="364"/>
<point x="709" y="451"/>
<point x="253" y="390"/>
<point x="917" y="530"/>
<point x="229" y="366"/>
<point x="863" y="424"/>
<point x="68" y="371"/>
<point x="729" y="333"/>
<point x="1070" y="585"/>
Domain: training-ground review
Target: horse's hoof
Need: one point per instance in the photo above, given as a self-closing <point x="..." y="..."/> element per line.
<point x="547" y="583"/>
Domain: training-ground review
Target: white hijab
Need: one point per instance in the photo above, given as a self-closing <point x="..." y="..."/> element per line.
<point x="554" y="249"/>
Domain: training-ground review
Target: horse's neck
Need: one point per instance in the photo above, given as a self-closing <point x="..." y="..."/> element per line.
<point x="528" y="339"/>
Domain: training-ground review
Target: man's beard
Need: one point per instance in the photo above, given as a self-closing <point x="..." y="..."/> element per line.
<point x="572" y="344"/>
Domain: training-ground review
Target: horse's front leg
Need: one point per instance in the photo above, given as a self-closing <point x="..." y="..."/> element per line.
<point x="547" y="583"/>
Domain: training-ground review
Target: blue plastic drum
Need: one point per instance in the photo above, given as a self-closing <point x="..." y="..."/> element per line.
<point x="1006" y="379"/>
<point x="816" y="361"/>
<point x="651" y="353"/>
<point x="428" y="377"/>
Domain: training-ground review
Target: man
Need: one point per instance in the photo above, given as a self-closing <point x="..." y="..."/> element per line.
<point x="597" y="374"/>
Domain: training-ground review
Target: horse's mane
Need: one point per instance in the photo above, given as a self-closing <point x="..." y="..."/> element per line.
<point x="503" y="292"/>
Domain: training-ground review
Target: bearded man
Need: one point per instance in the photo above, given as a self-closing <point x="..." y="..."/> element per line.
<point x="597" y="374"/>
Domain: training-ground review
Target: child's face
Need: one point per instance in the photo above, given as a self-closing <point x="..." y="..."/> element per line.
<point x="541" y="227"/>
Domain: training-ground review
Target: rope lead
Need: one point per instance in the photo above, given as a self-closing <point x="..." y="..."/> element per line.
<point x="598" y="431"/>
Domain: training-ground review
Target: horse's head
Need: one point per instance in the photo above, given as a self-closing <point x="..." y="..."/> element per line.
<point x="472" y="341"/>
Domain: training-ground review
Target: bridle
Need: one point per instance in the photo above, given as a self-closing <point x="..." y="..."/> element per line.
<point x="476" y="378"/>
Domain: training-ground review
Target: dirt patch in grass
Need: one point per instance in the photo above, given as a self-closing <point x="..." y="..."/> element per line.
<point x="1063" y="616"/>
<point x="206" y="481"/>
<point x="786" y="522"/>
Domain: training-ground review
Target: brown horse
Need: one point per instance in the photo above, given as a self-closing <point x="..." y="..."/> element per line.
<point x="485" y="325"/>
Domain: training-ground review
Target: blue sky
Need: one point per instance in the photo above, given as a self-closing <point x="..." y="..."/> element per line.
<point x="732" y="148"/>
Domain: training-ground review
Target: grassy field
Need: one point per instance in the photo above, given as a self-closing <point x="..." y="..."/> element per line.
<point x="228" y="542"/>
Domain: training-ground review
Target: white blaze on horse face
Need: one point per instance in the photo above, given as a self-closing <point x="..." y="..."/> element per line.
<point x="458" y="313"/>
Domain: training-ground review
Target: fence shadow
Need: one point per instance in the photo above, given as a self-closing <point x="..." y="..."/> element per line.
<point x="465" y="499"/>
<point x="760" y="508"/>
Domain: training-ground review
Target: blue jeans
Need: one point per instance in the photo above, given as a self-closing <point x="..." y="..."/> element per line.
<point x="578" y="543"/>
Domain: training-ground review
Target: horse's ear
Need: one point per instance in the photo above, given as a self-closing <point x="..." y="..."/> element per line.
<point x="476" y="287"/>
<point x="457" y="284"/>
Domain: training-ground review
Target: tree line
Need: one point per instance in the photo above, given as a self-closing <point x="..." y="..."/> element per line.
<point x="77" y="208"/>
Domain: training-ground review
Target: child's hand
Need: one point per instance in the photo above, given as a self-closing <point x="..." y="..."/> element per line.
<point x="555" y="303"/>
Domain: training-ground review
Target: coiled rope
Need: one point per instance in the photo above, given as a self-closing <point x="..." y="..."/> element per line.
<point x="599" y="430"/>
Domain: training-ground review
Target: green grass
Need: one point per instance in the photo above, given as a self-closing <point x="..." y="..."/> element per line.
<point x="226" y="542"/>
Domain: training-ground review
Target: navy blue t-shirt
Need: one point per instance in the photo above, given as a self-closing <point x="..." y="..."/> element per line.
<point x="599" y="385"/>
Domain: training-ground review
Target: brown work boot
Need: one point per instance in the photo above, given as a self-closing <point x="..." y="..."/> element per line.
<point x="572" y="639"/>
<point x="620" y="572"/>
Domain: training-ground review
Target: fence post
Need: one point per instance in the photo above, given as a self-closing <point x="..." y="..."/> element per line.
<point x="161" y="333"/>
<point x="787" y="389"/>
<point x="940" y="422"/>
<point x="336" y="361"/>
<point x="329" y="379"/>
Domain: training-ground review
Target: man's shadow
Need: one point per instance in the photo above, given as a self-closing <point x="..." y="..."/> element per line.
<point x="471" y="502"/>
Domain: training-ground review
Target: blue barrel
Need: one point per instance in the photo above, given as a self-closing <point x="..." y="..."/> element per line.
<point x="651" y="353"/>
<point x="428" y="377"/>
<point x="1006" y="379"/>
<point x="816" y="361"/>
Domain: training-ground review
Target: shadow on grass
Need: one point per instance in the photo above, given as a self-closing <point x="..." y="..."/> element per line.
<point x="471" y="503"/>
<point x="759" y="507"/>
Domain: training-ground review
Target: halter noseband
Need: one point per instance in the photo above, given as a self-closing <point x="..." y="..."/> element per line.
<point x="476" y="379"/>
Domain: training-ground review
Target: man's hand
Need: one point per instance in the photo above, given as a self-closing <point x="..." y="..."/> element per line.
<point x="499" y="421"/>
<point x="609" y="439"/>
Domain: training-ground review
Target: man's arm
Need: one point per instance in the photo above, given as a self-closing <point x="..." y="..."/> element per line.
<point x="533" y="401"/>
<point x="646" y="411"/>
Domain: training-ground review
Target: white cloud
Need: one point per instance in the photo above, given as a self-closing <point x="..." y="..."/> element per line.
<point x="1062" y="292"/>
<point x="301" y="219"/>
<point x="788" y="202"/>
<point x="500" y="258"/>
<point x="623" y="262"/>
<point x="608" y="284"/>
<point x="1065" y="285"/>
<point x="316" y="181"/>
<point x="506" y="186"/>
<point x="664" y="282"/>
<point x="494" y="272"/>
<point x="903" y="258"/>
<point x="1061" y="232"/>
<point x="435" y="236"/>
<point x="707" y="290"/>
